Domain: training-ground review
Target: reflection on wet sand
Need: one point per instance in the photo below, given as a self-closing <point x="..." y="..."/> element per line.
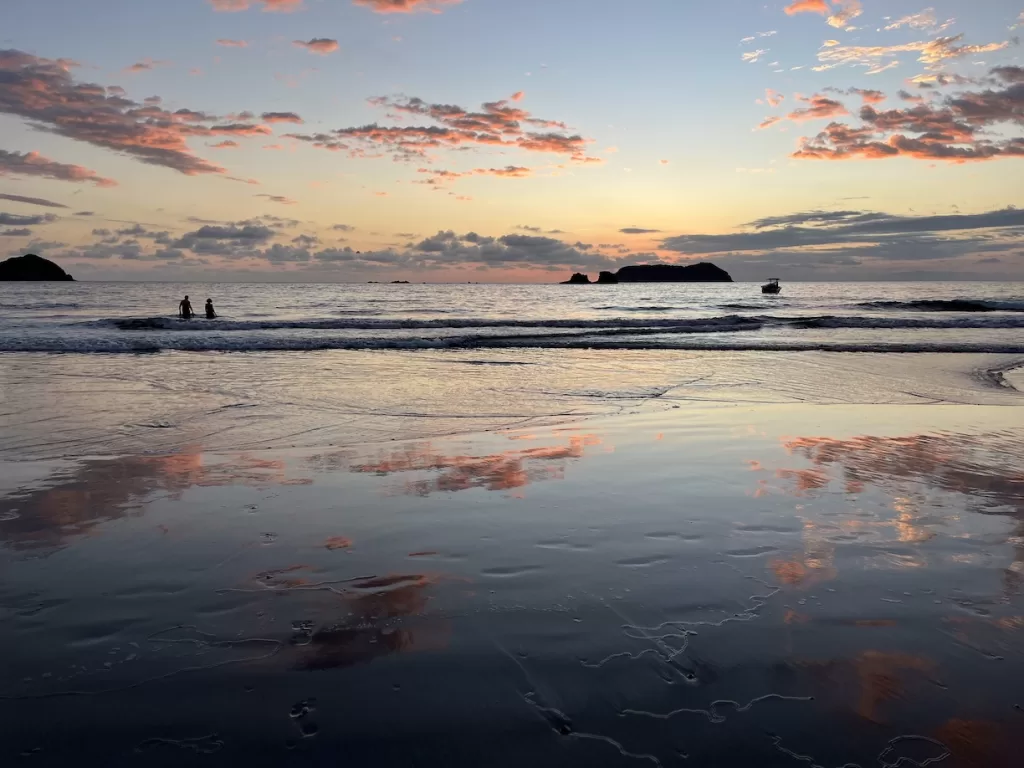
<point x="986" y="469"/>
<point x="98" y="490"/>
<point x="370" y="630"/>
<point x="505" y="471"/>
<point x="871" y="680"/>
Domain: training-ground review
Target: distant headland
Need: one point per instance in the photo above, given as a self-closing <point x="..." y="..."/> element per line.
<point x="32" y="267"/>
<point x="704" y="272"/>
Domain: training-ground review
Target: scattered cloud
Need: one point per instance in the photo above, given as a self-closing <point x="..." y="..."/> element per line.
<point x="955" y="130"/>
<point x="821" y="108"/>
<point x="438" y="177"/>
<point x="752" y="57"/>
<point x="278" y="199"/>
<point x="637" y="231"/>
<point x="281" y="117"/>
<point x="319" y="45"/>
<point x="773" y="98"/>
<point x="20" y="232"/>
<point x="825" y="228"/>
<point x="343" y="228"/>
<point x="31" y="200"/>
<point x="145" y="65"/>
<point x="405" y="6"/>
<point x="808" y="6"/>
<point x="925" y="20"/>
<point x="227" y="43"/>
<point x="932" y="53"/>
<point x="231" y="6"/>
<point x="16" y="220"/>
<point x="226" y="144"/>
<point x="497" y="125"/>
<point x="34" y="164"/>
<point x="43" y="92"/>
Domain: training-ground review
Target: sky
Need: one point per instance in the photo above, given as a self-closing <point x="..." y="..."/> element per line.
<point x="513" y="140"/>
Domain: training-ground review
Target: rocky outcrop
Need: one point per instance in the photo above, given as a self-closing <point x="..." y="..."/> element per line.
<point x="704" y="272"/>
<point x="32" y="267"/>
<point x="578" y="279"/>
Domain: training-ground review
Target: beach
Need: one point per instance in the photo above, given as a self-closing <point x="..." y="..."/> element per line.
<point x="471" y="557"/>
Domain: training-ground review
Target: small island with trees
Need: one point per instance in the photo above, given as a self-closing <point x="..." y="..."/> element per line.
<point x="34" y="268"/>
<point x="702" y="272"/>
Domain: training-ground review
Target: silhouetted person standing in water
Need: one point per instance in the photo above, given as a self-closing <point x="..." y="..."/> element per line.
<point x="210" y="314"/>
<point x="185" y="309"/>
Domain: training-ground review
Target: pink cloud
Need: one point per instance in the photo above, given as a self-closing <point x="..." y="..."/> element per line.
<point x="226" y="144"/>
<point x="821" y="107"/>
<point x="958" y="130"/>
<point x="518" y="96"/>
<point x="44" y="93"/>
<point x="232" y="6"/>
<point x="232" y="43"/>
<point x="497" y="124"/>
<point x="34" y="164"/>
<point x="320" y="45"/>
<point x="405" y="6"/>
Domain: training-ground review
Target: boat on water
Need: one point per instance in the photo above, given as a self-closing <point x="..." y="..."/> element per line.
<point x="772" y="286"/>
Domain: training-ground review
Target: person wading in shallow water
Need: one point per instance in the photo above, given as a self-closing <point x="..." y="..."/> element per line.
<point x="185" y="309"/>
<point x="210" y="314"/>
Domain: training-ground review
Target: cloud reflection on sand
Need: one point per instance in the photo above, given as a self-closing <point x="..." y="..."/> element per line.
<point x="983" y="469"/>
<point x="93" y="491"/>
<point x="503" y="471"/>
<point x="371" y="629"/>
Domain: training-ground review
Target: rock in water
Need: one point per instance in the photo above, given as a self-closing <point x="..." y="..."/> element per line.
<point x="32" y="267"/>
<point x="578" y="279"/>
<point x="704" y="272"/>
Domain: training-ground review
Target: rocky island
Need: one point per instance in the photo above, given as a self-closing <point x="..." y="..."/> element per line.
<point x="703" y="272"/>
<point x="32" y="267"/>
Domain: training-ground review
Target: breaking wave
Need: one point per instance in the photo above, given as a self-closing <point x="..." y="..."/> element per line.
<point x="946" y="305"/>
<point x="722" y="322"/>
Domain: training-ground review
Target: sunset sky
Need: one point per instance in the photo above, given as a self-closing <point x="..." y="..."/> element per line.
<point x="513" y="140"/>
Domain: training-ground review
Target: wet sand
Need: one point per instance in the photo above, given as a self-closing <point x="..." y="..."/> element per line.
<point x="774" y="585"/>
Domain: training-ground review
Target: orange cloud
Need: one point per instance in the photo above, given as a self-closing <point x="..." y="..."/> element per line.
<point x="808" y="6"/>
<point x="226" y="144"/>
<point x="518" y="96"/>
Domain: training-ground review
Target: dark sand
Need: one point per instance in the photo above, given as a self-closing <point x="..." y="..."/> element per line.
<point x="719" y="586"/>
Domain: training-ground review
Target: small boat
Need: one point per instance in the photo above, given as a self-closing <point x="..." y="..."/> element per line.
<point x="772" y="286"/>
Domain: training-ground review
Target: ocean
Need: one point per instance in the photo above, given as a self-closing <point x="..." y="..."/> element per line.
<point x="108" y="367"/>
<point x="471" y="525"/>
<point x="851" y="317"/>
